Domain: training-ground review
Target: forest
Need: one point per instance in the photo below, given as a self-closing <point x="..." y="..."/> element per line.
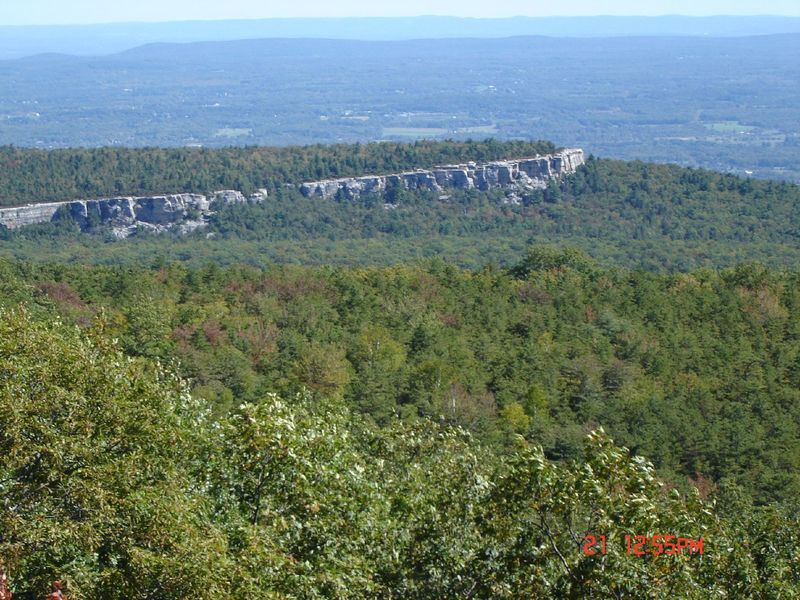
<point x="237" y="415"/>
<point x="633" y="214"/>
<point x="305" y="432"/>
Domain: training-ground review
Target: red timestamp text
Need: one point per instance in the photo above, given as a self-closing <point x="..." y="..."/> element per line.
<point x="642" y="545"/>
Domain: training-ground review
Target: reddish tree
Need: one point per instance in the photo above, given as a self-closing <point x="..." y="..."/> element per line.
<point x="57" y="594"/>
<point x="5" y="593"/>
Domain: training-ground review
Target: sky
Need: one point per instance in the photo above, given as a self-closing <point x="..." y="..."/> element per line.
<point x="57" y="12"/>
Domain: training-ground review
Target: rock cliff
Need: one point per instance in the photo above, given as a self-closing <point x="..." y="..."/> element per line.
<point x="19" y="216"/>
<point x="126" y="214"/>
<point x="528" y="173"/>
<point x="187" y="212"/>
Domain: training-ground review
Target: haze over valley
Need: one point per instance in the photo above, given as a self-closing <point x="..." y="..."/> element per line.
<point x="726" y="103"/>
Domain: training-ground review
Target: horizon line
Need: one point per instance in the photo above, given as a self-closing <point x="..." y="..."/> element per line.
<point x="399" y="17"/>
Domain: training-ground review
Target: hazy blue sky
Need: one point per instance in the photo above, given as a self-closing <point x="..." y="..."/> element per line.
<point x="28" y="12"/>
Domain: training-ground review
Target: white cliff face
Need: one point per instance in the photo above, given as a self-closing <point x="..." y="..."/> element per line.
<point x="230" y="197"/>
<point x="532" y="172"/>
<point x="28" y="215"/>
<point x="123" y="214"/>
<point x="165" y="210"/>
<point x="189" y="211"/>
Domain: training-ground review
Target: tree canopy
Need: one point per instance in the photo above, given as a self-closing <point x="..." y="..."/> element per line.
<point x="115" y="482"/>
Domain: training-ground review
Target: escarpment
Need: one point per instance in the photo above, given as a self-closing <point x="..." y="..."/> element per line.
<point x="528" y="173"/>
<point x="187" y="212"/>
<point x="125" y="215"/>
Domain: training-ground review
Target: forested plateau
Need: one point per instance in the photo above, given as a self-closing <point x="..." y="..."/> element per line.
<point x="634" y="214"/>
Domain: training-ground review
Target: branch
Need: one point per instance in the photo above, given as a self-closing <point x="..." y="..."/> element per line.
<point x="546" y="529"/>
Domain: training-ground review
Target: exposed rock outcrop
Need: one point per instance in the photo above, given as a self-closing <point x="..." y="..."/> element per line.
<point x="165" y="210"/>
<point x="528" y="173"/>
<point x="188" y="212"/>
<point x="237" y="197"/>
<point x="125" y="215"/>
<point x="20" y="216"/>
<point x="230" y="197"/>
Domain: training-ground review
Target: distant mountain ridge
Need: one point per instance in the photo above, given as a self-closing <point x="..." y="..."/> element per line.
<point x="20" y="41"/>
<point x="724" y="103"/>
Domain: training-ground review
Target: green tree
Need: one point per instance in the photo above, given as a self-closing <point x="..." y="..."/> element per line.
<point x="95" y="484"/>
